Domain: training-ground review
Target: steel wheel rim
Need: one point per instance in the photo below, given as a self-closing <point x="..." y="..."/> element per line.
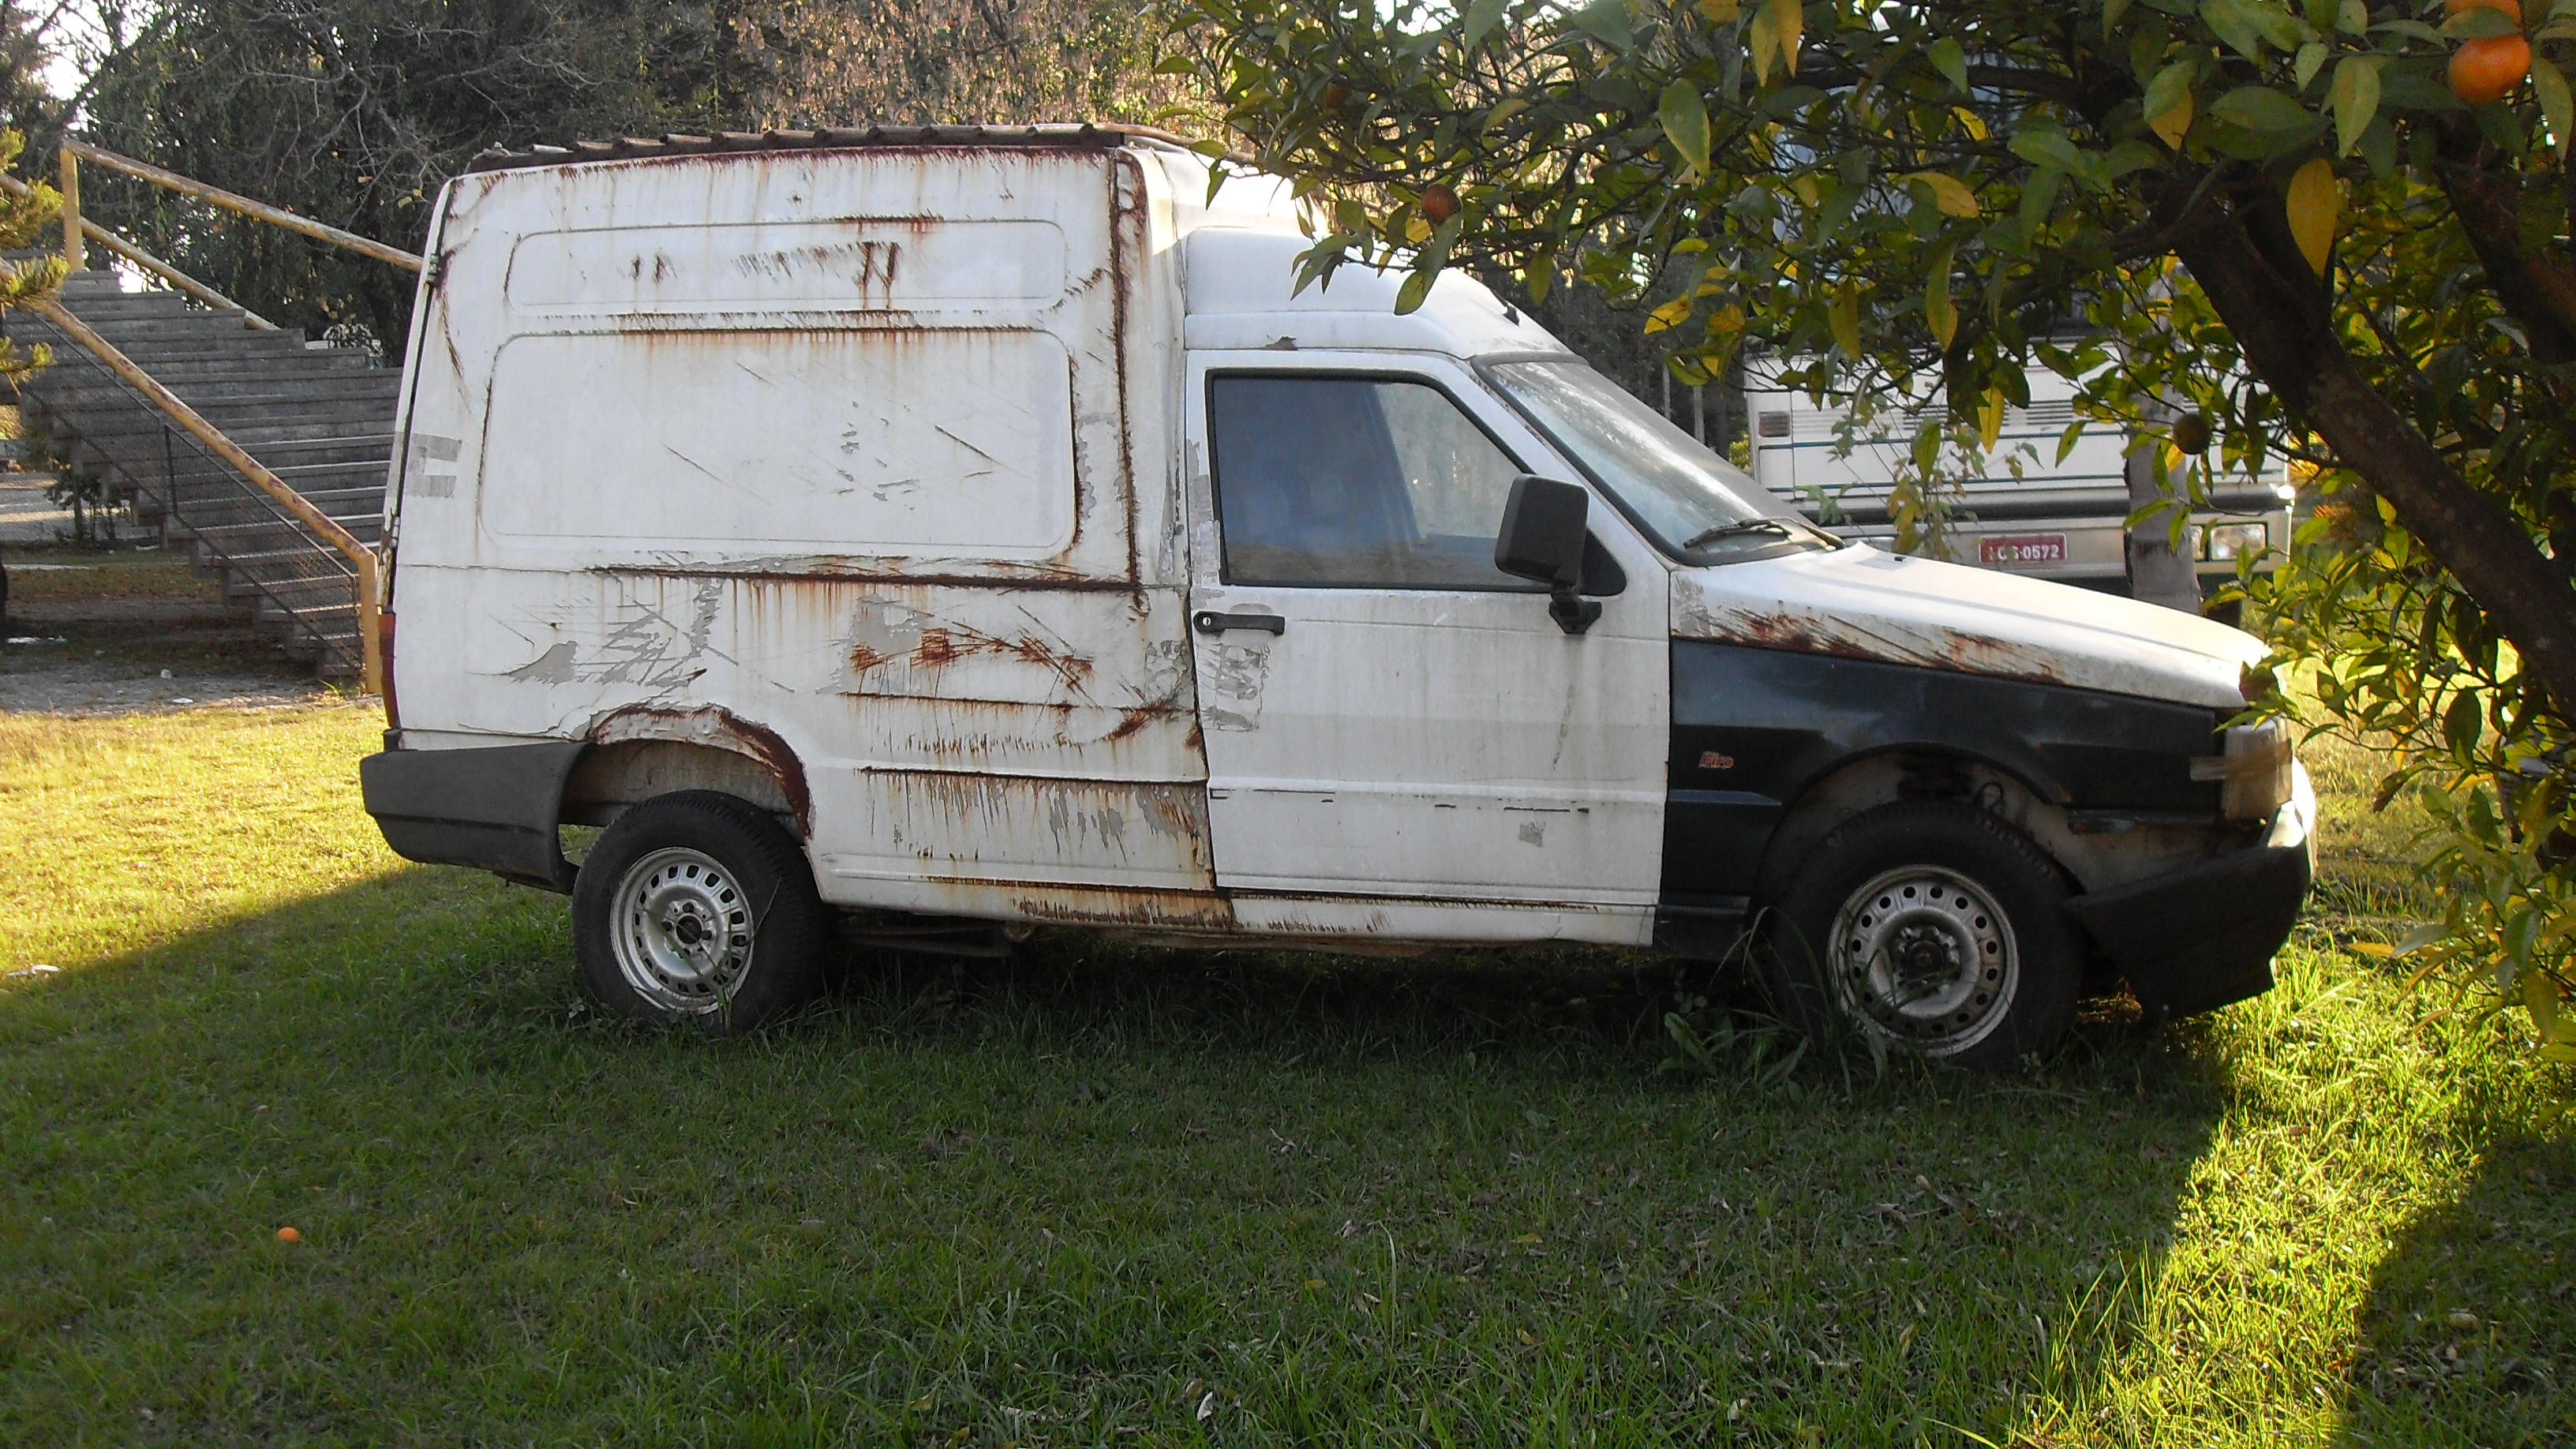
<point x="1924" y="956"/>
<point x="682" y="930"/>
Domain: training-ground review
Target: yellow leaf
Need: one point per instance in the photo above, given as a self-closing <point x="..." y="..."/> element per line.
<point x="1790" y="22"/>
<point x="1729" y="318"/>
<point x="1806" y="188"/>
<point x="1416" y="230"/>
<point x="1974" y="123"/>
<point x="1990" y="419"/>
<point x="1668" y="316"/>
<point x="1948" y="193"/>
<point x="1762" y="38"/>
<point x="1843" y="317"/>
<point x="2380" y="949"/>
<point x="1938" y="313"/>
<point x="2174" y="123"/>
<point x="2315" y="197"/>
<point x="1720" y="12"/>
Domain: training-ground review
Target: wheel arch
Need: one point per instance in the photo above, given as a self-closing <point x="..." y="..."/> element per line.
<point x="640" y="753"/>
<point x="1909" y="770"/>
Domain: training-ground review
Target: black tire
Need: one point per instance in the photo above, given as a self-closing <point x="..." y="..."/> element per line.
<point x="696" y="909"/>
<point x="1878" y="929"/>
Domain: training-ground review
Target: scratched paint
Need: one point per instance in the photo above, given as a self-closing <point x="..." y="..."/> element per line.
<point x="844" y="445"/>
<point x="1858" y="603"/>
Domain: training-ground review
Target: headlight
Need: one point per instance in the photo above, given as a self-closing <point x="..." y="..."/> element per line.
<point x="2236" y="540"/>
<point x="2256" y="774"/>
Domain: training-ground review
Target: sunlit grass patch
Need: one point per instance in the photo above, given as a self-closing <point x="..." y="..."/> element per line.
<point x="1101" y="1195"/>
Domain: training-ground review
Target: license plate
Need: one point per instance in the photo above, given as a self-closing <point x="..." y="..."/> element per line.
<point x="2022" y="548"/>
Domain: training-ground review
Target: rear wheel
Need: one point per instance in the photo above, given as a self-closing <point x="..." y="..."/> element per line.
<point x="1934" y="927"/>
<point x="696" y="908"/>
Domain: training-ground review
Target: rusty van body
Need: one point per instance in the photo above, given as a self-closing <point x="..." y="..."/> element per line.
<point x="960" y="530"/>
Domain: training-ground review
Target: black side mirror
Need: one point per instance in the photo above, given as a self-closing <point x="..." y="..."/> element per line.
<point x="1542" y="538"/>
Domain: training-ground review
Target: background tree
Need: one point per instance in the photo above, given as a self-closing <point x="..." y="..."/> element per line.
<point x="356" y="111"/>
<point x="2338" y="227"/>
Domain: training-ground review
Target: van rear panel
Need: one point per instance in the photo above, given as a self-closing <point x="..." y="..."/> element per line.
<point x="830" y="460"/>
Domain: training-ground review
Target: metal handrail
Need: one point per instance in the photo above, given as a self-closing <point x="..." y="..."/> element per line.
<point x="74" y="152"/>
<point x="76" y="230"/>
<point x="178" y="279"/>
<point x="361" y="558"/>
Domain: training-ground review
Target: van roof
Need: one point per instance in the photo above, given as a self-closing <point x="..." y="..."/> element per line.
<point x="1086" y="135"/>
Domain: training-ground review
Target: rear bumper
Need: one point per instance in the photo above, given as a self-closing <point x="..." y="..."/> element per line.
<point x="496" y="809"/>
<point x="2204" y="936"/>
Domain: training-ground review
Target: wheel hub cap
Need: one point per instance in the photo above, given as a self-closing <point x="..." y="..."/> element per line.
<point x="1924" y="955"/>
<point x="684" y="930"/>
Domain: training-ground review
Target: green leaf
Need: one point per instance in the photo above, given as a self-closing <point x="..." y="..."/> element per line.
<point x="2463" y="722"/>
<point x="1951" y="60"/>
<point x="1409" y="297"/>
<point x="2047" y="148"/>
<point x="1685" y="121"/>
<point x="1481" y="18"/>
<point x="2352" y="17"/>
<point x="2355" y="95"/>
<point x="1605" y="21"/>
<point x="2555" y="103"/>
<point x="2261" y="108"/>
<point x="2312" y="58"/>
<point x="2477" y="22"/>
<point x="2112" y="10"/>
<point x="2168" y="104"/>
<point x="2229" y="20"/>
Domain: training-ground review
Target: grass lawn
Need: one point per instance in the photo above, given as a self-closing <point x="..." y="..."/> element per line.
<point x="1097" y="1195"/>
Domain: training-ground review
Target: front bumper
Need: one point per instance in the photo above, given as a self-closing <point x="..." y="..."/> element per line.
<point x="2204" y="936"/>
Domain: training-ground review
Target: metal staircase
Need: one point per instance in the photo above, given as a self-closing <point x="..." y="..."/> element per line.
<point x="265" y="454"/>
<point x="319" y="418"/>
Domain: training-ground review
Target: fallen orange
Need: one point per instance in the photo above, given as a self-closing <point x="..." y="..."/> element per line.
<point x="289" y="1235"/>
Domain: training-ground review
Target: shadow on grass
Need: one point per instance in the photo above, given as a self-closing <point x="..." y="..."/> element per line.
<point x="1087" y="1195"/>
<point x="2471" y="1318"/>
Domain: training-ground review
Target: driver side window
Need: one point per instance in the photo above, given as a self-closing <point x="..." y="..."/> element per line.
<point x="1355" y="482"/>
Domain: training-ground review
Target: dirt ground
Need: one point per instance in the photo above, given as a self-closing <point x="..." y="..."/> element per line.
<point x="127" y="629"/>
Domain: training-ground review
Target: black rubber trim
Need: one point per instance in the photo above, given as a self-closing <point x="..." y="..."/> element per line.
<point x="494" y="808"/>
<point x="2203" y="936"/>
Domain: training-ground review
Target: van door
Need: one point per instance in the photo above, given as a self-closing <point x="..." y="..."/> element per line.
<point x="1389" y="719"/>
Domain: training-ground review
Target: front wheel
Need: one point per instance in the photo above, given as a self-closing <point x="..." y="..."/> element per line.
<point x="695" y="908"/>
<point x="1934" y="927"/>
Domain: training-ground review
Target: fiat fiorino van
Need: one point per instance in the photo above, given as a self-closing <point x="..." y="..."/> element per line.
<point x="930" y="533"/>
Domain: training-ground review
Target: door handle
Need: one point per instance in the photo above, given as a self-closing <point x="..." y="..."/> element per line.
<point x="1209" y="621"/>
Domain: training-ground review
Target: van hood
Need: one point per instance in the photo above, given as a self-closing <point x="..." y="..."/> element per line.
<point x="1859" y="603"/>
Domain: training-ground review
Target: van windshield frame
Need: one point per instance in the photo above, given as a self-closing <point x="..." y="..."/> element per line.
<point x="1689" y="501"/>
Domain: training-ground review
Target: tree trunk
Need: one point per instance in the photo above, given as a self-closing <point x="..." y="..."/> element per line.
<point x="2286" y="340"/>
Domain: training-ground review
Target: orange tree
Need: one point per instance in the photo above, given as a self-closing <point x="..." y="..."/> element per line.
<point x="2337" y="228"/>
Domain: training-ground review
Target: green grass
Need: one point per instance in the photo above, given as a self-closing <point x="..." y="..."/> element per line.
<point x="1098" y="1195"/>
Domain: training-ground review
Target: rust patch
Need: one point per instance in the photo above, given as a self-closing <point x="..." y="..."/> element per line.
<point x="717" y="726"/>
<point x="1131" y="721"/>
<point x="1947" y="649"/>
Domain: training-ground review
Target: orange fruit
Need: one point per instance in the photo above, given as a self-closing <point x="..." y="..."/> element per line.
<point x="1439" y="203"/>
<point x="2489" y="67"/>
<point x="2512" y="8"/>
<point x="289" y="1235"/>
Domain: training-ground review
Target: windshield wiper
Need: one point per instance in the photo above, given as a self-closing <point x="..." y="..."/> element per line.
<point x="1730" y="530"/>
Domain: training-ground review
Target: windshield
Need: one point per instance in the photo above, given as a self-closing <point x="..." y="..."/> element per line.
<point x="1693" y="502"/>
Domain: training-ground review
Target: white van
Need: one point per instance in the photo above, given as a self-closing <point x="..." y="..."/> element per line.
<point x="2020" y="507"/>
<point x="963" y="529"/>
